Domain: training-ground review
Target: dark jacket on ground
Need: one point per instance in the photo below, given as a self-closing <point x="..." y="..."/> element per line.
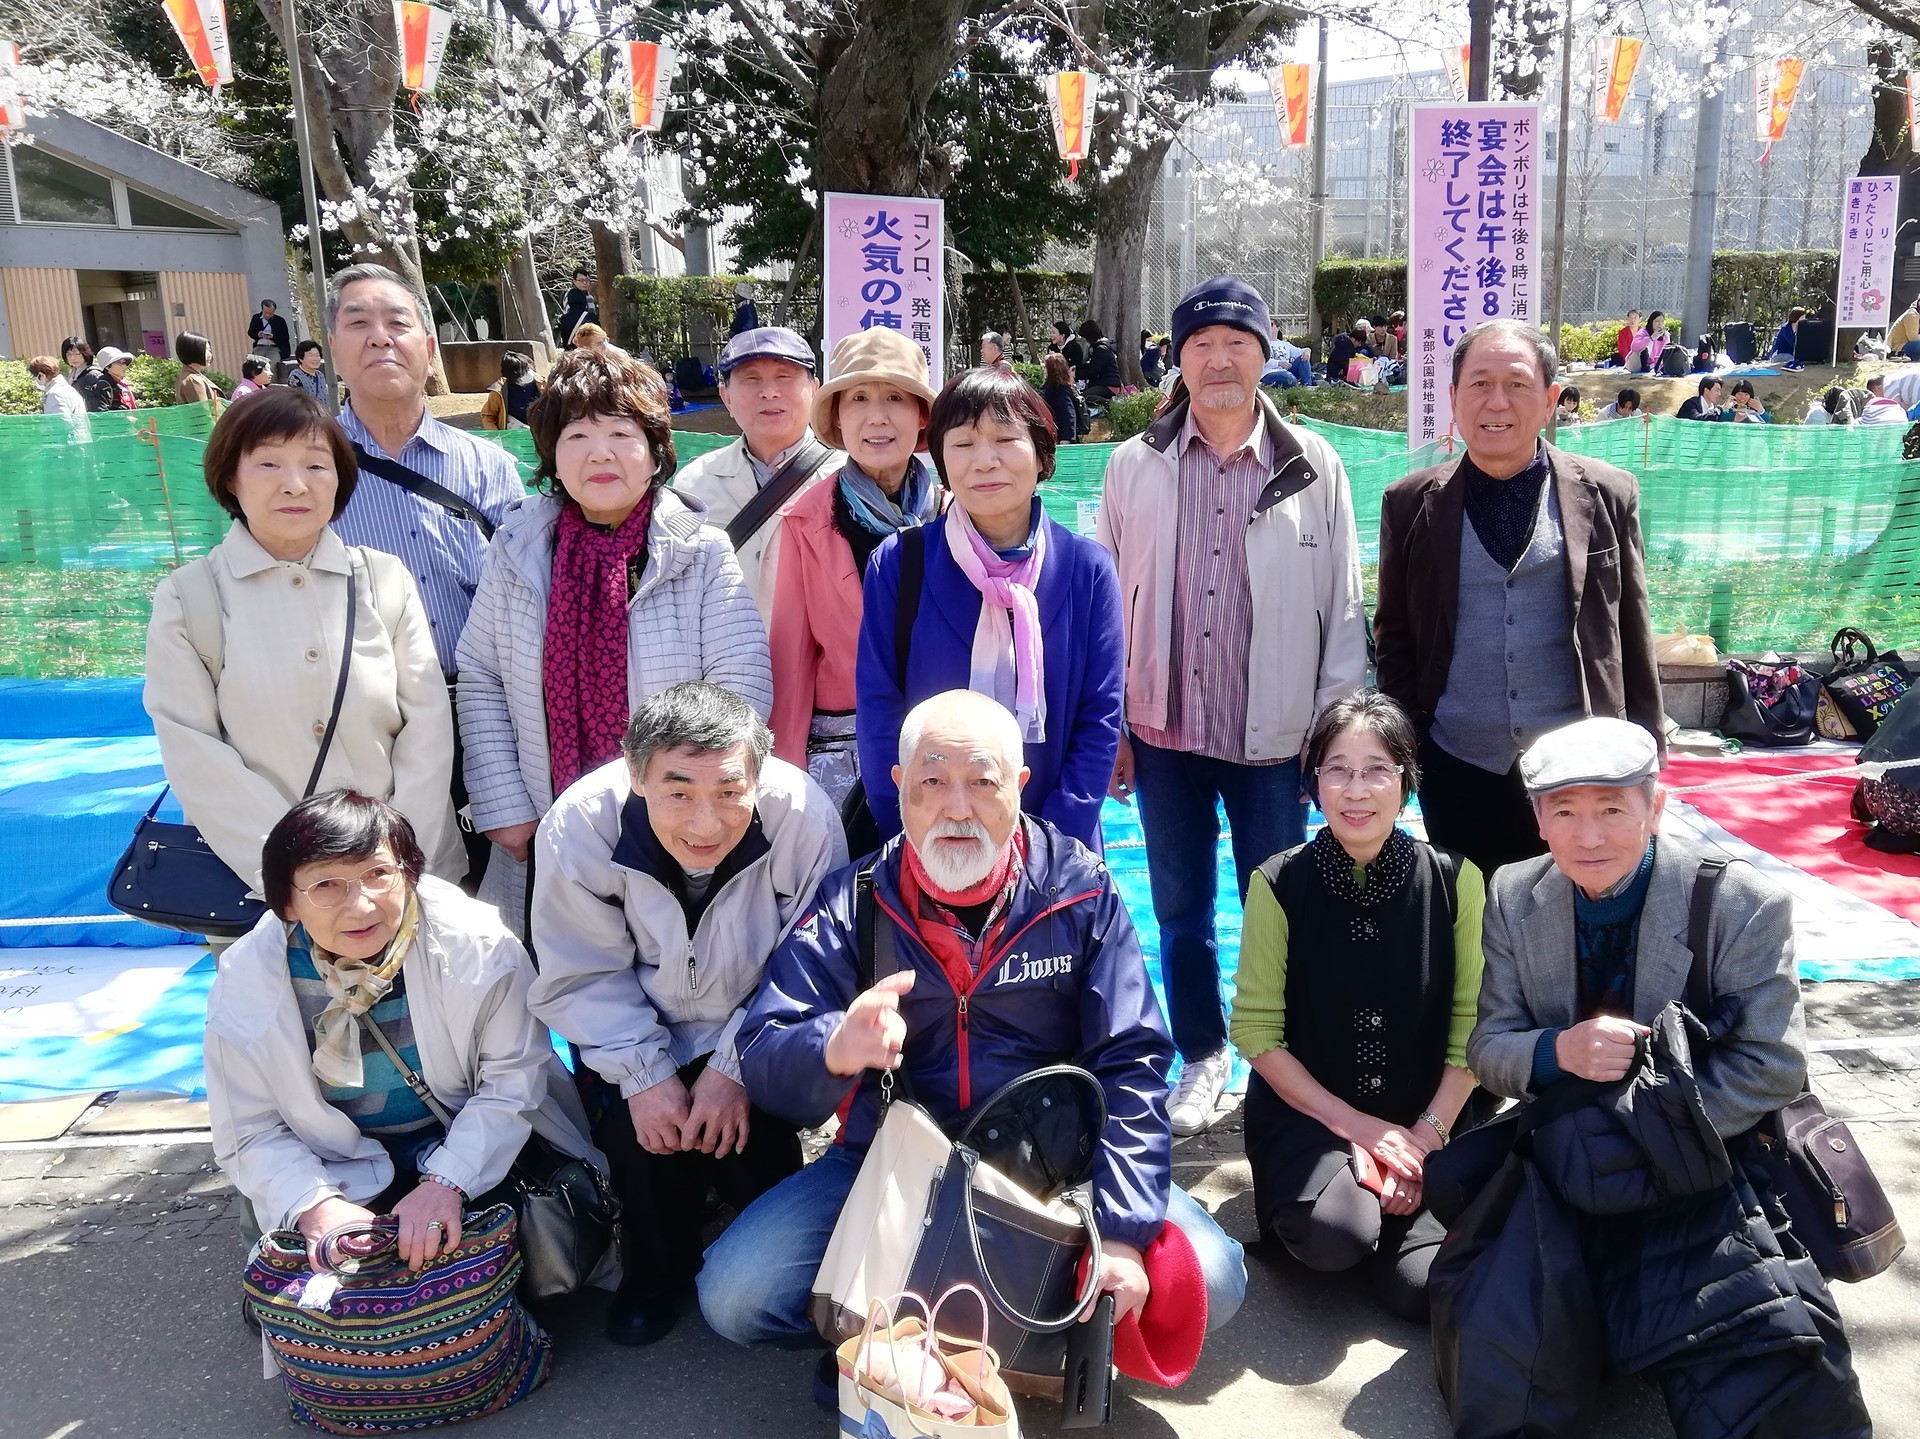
<point x="1621" y="1238"/>
<point x="1419" y="603"/>
<point x="1085" y="658"/>
<point x="1067" y="984"/>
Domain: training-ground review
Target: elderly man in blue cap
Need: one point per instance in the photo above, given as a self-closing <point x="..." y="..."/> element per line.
<point x="767" y="382"/>
<point x="1233" y="534"/>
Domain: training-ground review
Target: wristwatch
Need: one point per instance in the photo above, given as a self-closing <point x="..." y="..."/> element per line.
<point x="1438" y="1128"/>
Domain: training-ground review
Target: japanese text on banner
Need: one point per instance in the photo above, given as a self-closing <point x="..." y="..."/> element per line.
<point x="1474" y="241"/>
<point x="1867" y="227"/>
<point x="884" y="266"/>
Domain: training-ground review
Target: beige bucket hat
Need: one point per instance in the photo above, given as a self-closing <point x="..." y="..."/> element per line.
<point x="876" y="356"/>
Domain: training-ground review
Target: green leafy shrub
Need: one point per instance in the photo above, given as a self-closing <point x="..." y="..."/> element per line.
<point x="657" y="314"/>
<point x="1128" y="415"/>
<point x="1344" y="405"/>
<point x="153" y="380"/>
<point x="1762" y="285"/>
<point x="17" y="393"/>
<point x="1588" y="344"/>
<point x="1347" y="289"/>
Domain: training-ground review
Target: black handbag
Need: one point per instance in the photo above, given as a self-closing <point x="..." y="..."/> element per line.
<point x="1840" y="1212"/>
<point x="1865" y="687"/>
<point x="169" y="875"/>
<point x="566" y="1206"/>
<point x="1770" y="706"/>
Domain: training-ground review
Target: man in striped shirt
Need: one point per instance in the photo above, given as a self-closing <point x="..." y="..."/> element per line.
<point x="381" y="340"/>
<point x="1233" y="535"/>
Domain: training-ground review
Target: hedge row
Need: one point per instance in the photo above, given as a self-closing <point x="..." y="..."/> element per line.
<point x="153" y="381"/>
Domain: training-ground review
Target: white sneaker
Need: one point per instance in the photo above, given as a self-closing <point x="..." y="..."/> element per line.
<point x="1194" y="1097"/>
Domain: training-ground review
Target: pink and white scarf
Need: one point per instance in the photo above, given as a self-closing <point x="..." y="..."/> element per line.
<point x="1009" y="656"/>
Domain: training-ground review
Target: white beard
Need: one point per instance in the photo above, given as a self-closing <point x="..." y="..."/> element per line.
<point x="953" y="871"/>
<point x="1211" y="399"/>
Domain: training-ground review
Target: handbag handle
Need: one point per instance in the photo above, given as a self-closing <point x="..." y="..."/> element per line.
<point x="933" y="1324"/>
<point x="1000" y="1301"/>
<point x="339" y="685"/>
<point x="1843" y="644"/>
<point x="382" y="1256"/>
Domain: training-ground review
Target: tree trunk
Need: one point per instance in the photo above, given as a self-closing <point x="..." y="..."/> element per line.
<point x="612" y="258"/>
<point x="1890" y="151"/>
<point x="523" y="309"/>
<point x="350" y="86"/>
<point x="873" y="99"/>
<point x="1120" y="253"/>
<point x="1022" y="327"/>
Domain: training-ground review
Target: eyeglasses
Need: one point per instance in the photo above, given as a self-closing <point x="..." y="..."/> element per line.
<point x="1376" y="776"/>
<point x="373" y="883"/>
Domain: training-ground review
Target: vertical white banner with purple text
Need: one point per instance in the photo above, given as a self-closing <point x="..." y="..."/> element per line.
<point x="1473" y="241"/>
<point x="883" y="267"/>
<point x="1867" y="226"/>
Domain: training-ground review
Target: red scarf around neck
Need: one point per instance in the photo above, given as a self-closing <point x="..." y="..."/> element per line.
<point x="584" y="664"/>
<point x="939" y="936"/>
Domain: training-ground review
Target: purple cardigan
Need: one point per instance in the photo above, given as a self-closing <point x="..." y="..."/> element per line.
<point x="1079" y="600"/>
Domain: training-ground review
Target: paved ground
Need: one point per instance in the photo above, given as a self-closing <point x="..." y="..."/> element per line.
<point x="119" y="1305"/>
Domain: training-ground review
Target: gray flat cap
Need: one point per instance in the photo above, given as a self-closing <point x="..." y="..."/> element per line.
<point x="1611" y="752"/>
<point x="769" y="342"/>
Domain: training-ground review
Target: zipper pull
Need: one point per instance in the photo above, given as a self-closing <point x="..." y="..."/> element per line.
<point x="963" y="1011"/>
<point x="693" y="978"/>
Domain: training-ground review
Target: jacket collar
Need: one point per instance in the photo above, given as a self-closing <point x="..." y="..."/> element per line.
<point x="639" y="849"/>
<point x="246" y="556"/>
<point x="526" y="537"/>
<point x="1292" y="471"/>
<point x="1057" y="871"/>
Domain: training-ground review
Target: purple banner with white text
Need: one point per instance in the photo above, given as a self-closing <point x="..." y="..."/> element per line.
<point x="1474" y="244"/>
<point x="883" y="267"/>
<point x="1867" y="228"/>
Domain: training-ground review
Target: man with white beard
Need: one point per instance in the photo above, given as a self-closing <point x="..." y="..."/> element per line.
<point x="1014" y="952"/>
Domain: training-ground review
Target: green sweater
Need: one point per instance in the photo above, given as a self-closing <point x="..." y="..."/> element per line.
<point x="1260" y="987"/>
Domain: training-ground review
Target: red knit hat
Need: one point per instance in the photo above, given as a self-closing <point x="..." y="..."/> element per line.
<point x="1161" y="1344"/>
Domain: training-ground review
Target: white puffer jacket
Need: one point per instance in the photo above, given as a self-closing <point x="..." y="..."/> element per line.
<point x="691" y="618"/>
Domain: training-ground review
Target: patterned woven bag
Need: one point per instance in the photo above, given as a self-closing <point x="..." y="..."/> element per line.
<point x="369" y="1346"/>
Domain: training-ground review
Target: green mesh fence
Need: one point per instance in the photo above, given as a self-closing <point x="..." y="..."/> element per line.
<point x="1766" y="537"/>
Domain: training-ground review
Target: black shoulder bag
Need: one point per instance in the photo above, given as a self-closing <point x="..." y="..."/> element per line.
<point x="1839" y="1211"/>
<point x="415" y="483"/>
<point x="169" y="874"/>
<point x="566" y="1206"/>
<point x="775" y="492"/>
<point x="856" y="818"/>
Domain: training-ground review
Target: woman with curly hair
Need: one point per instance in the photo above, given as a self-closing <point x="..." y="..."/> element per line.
<point x="600" y="591"/>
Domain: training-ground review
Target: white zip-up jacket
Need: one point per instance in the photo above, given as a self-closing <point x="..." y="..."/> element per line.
<point x="622" y="973"/>
<point x="1303" y="570"/>
<point x="486" y="1059"/>
<point x="691" y="618"/>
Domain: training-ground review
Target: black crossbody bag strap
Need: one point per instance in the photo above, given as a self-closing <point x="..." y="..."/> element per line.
<point x="339" y="685"/>
<point x="415" y="483"/>
<point x="1699" y="914"/>
<point x="906" y="606"/>
<point x="775" y="492"/>
<point x="876" y="955"/>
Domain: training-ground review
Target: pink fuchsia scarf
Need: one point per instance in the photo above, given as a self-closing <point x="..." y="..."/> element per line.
<point x="1009" y="656"/>
<point x="584" y="667"/>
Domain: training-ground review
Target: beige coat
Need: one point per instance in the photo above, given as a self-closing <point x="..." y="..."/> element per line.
<point x="486" y="1059"/>
<point x="238" y="755"/>
<point x="724" y="481"/>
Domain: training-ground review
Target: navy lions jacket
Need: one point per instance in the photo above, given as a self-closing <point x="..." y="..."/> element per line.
<point x="1067" y="984"/>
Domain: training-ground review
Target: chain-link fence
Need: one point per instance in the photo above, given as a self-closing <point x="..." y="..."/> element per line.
<point x="1232" y="199"/>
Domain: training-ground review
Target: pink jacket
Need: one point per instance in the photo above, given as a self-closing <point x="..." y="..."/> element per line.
<point x="815" y="635"/>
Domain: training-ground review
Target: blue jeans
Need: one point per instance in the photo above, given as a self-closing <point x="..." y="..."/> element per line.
<point x="1178" y="794"/>
<point x="759" y="1274"/>
<point x="1910" y="350"/>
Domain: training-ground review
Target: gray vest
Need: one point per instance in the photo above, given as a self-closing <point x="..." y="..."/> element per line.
<point x="1515" y="673"/>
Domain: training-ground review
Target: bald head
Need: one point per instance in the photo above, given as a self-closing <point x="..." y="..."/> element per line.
<point x="962" y="767"/>
<point x="986" y="724"/>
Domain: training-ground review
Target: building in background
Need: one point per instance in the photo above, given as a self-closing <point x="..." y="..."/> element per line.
<point x="104" y="237"/>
